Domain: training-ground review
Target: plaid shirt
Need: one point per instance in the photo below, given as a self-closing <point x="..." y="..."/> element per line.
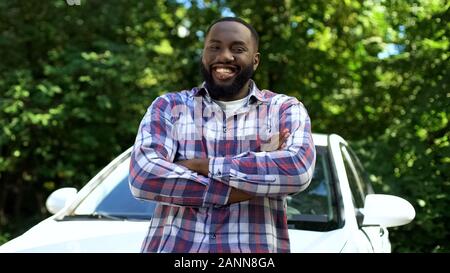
<point x="192" y="214"/>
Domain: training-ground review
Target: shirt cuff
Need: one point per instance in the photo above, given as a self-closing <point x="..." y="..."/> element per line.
<point x="219" y="168"/>
<point x="217" y="194"/>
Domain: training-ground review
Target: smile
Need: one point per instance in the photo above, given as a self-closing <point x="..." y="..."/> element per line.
<point x="224" y="72"/>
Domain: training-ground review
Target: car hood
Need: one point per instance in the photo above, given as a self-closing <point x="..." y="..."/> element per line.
<point x="127" y="236"/>
<point x="80" y="236"/>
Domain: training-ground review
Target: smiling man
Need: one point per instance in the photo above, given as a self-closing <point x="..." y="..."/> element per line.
<point x="221" y="158"/>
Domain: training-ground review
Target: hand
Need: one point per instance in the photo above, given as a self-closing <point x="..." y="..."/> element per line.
<point x="200" y="166"/>
<point x="238" y="196"/>
<point x="277" y="142"/>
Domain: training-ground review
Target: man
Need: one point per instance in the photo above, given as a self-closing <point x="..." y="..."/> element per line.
<point x="214" y="157"/>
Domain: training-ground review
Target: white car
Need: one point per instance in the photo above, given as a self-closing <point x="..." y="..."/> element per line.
<point x="338" y="212"/>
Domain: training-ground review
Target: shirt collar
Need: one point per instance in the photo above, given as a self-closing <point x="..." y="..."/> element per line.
<point x="255" y="95"/>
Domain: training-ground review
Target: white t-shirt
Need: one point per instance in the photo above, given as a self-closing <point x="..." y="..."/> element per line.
<point x="229" y="107"/>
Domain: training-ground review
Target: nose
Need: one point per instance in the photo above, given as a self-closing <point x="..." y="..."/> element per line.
<point x="225" y="56"/>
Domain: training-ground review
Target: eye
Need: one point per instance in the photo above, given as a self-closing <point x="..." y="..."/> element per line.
<point x="239" y="49"/>
<point x="213" y="47"/>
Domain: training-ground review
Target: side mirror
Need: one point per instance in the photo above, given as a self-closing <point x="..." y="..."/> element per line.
<point x="59" y="199"/>
<point x="387" y="211"/>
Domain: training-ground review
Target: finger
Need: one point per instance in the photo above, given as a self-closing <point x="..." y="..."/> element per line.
<point x="282" y="134"/>
<point x="283" y="140"/>
<point x="284" y="137"/>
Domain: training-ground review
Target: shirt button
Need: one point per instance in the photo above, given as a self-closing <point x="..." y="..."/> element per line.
<point x="224" y="129"/>
<point x="213" y="236"/>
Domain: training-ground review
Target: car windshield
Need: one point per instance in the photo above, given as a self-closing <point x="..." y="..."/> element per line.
<point x="112" y="198"/>
<point x="311" y="209"/>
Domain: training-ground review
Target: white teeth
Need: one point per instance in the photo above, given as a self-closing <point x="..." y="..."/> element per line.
<point x="224" y="70"/>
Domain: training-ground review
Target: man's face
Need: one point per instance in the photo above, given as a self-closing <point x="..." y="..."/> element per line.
<point x="229" y="59"/>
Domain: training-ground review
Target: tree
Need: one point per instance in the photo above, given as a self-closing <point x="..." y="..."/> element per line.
<point x="76" y="81"/>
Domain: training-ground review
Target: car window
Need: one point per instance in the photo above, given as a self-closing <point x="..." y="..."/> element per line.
<point x="358" y="186"/>
<point x="314" y="209"/>
<point x="360" y="172"/>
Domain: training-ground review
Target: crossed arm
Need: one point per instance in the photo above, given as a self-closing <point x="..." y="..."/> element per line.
<point x="201" y="166"/>
<point x="218" y="181"/>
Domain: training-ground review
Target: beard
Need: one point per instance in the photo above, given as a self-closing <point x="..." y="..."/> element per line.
<point x="217" y="91"/>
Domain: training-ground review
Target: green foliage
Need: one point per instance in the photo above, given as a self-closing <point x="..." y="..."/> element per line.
<point x="417" y="141"/>
<point x="76" y="80"/>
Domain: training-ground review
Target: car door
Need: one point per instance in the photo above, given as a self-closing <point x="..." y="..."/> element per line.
<point x="378" y="236"/>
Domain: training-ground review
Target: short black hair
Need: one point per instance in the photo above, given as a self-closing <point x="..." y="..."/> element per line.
<point x="255" y="35"/>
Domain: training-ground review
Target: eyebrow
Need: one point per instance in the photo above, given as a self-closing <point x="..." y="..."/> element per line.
<point x="233" y="43"/>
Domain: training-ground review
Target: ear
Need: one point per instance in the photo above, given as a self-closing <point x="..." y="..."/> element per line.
<point x="255" y="60"/>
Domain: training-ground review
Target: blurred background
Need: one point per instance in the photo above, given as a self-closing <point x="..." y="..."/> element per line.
<point x="75" y="81"/>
